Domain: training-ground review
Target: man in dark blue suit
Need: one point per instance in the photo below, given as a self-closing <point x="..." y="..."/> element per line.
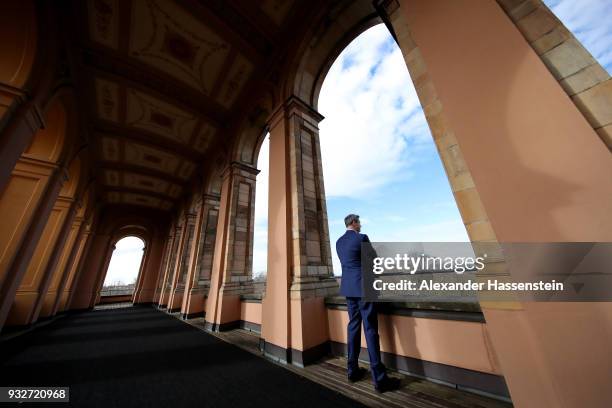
<point x="348" y="248"/>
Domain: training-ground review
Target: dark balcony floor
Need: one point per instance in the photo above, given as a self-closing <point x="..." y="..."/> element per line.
<point x="331" y="372"/>
<point x="143" y="357"/>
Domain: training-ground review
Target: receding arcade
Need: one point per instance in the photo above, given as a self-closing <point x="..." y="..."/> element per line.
<point x="145" y="118"/>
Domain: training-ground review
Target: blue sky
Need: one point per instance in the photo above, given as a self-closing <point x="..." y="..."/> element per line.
<point x="379" y="159"/>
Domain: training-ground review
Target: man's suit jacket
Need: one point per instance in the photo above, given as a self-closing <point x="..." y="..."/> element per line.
<point x="348" y="247"/>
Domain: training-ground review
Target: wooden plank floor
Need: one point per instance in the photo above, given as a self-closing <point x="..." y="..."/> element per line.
<point x="331" y="372"/>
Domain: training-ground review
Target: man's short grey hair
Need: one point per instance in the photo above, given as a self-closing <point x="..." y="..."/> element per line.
<point x="349" y="219"/>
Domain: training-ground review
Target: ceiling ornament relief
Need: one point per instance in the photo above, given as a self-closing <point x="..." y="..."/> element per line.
<point x="189" y="49"/>
<point x="137" y="199"/>
<point x="276" y="9"/>
<point x="141" y="199"/>
<point x="151" y="158"/>
<point x="142" y="182"/>
<point x="186" y="170"/>
<point x="170" y="39"/>
<point x="104" y="22"/>
<point x="113" y="197"/>
<point x="174" y="191"/>
<point x="238" y="75"/>
<point x="203" y="138"/>
<point x="111" y="178"/>
<point x="154" y="115"/>
<point x="110" y="149"/>
<point x="107" y="94"/>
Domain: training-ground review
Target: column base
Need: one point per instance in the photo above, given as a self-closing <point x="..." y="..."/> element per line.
<point x="226" y="311"/>
<point x="299" y="358"/>
<point x="187" y="316"/>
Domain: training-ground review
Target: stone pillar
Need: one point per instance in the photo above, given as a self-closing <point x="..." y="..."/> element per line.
<point x="52" y="275"/>
<point x="178" y="287"/>
<point x="67" y="289"/>
<point x="97" y="288"/>
<point x="527" y="167"/>
<point x="95" y="264"/>
<point x="171" y="266"/>
<point x="294" y="321"/>
<point x="162" y="270"/>
<point x="233" y="256"/>
<point x="199" y="278"/>
<point x="60" y="274"/>
<point x="18" y="253"/>
<point x="151" y="271"/>
<point x="161" y="279"/>
<point x="38" y="272"/>
<point x="141" y="271"/>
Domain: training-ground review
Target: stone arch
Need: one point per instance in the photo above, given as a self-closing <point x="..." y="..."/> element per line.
<point x="19" y="24"/>
<point x="116" y="224"/>
<point x="247" y="145"/>
<point x="128" y="231"/>
<point x="70" y="187"/>
<point x="31" y="72"/>
<point x="322" y="45"/>
<point x="131" y="231"/>
<point x="30" y="200"/>
<point x="214" y="176"/>
<point x="47" y="144"/>
<point x="120" y="223"/>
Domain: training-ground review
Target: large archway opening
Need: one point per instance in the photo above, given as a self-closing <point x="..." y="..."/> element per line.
<point x="260" y="230"/>
<point x="123" y="269"/>
<point x="379" y="157"/>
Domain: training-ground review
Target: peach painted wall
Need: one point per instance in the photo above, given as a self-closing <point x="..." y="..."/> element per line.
<point x="459" y="344"/>
<point x="542" y="172"/>
<point x="250" y="312"/>
<point x="308" y="326"/>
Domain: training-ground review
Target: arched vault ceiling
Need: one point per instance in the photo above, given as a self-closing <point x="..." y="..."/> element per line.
<point x="165" y="83"/>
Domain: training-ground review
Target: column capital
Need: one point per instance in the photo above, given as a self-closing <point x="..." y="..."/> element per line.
<point x="296" y="106"/>
<point x="236" y="166"/>
<point x="211" y="197"/>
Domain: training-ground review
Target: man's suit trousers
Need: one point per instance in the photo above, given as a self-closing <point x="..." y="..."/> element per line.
<point x="360" y="311"/>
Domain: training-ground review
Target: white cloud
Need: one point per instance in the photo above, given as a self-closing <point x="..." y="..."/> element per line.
<point x="125" y="261"/>
<point x="589" y="21"/>
<point x="374" y="128"/>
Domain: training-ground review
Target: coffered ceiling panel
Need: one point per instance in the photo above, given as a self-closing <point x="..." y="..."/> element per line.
<point x="154" y="115"/>
<point x="142" y="199"/>
<point x="148" y="157"/>
<point x="165" y="80"/>
<point x="141" y="182"/>
<point x="168" y="38"/>
<point x="116" y="197"/>
<point x="136" y="109"/>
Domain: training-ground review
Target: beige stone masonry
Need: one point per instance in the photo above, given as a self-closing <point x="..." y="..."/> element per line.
<point x="580" y="75"/>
